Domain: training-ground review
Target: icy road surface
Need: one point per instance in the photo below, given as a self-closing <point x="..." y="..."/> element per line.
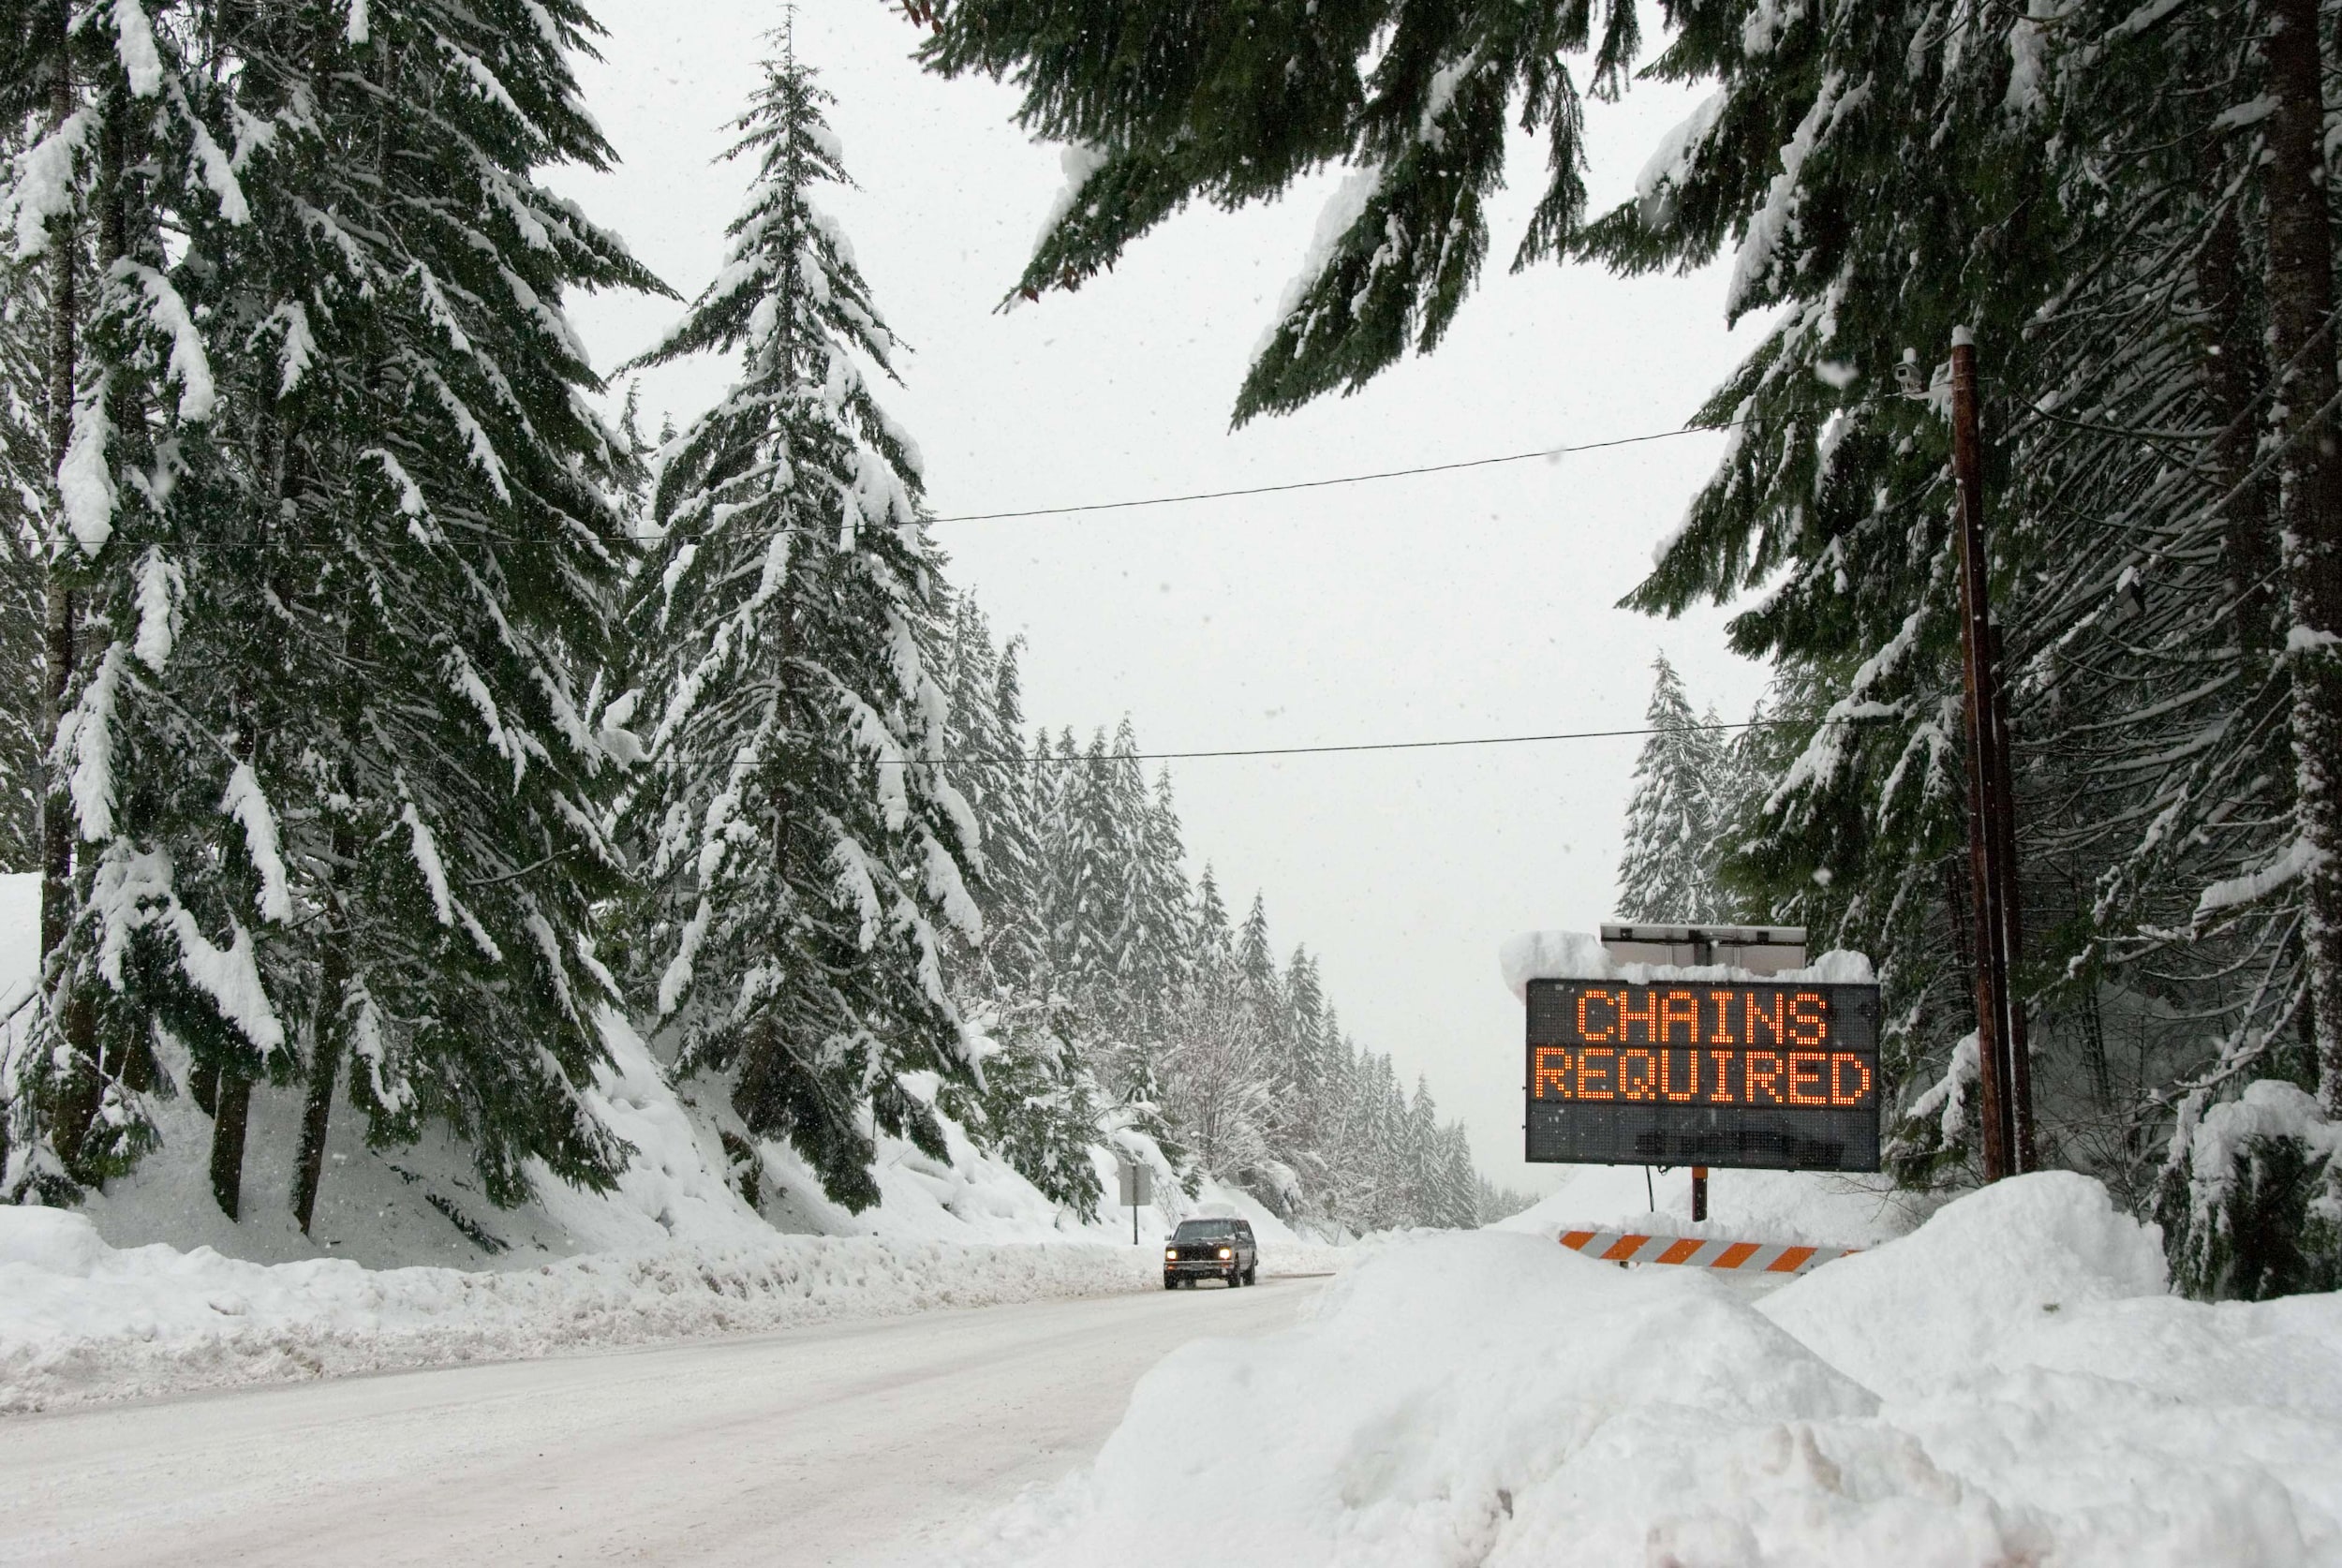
<point x="868" y="1443"/>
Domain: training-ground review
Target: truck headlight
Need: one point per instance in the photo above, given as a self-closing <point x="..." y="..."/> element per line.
<point x="1228" y="1252"/>
<point x="1170" y="1254"/>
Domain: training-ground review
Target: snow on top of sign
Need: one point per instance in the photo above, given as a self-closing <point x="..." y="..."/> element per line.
<point x="1580" y="955"/>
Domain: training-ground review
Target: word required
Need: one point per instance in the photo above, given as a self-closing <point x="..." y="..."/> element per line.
<point x="1818" y="1080"/>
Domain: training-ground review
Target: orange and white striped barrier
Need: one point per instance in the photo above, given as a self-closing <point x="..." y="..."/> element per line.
<point x="1747" y="1257"/>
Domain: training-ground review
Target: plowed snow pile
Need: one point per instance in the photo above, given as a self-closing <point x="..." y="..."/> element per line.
<point x="2008" y="1384"/>
<point x="82" y="1321"/>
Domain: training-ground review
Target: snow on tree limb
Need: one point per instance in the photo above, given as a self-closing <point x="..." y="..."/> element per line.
<point x="245" y="802"/>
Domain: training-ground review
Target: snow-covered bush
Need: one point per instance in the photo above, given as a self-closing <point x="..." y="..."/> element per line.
<point x="2251" y="1201"/>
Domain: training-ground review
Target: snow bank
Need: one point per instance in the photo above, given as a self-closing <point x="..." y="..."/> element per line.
<point x="1580" y="955"/>
<point x="2005" y="1385"/>
<point x="1973" y="1283"/>
<point x="1811" y="1208"/>
<point x="82" y="1321"/>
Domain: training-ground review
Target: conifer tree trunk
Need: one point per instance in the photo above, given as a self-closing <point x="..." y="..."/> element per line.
<point x="2232" y="376"/>
<point x="2309" y="479"/>
<point x="79" y="1102"/>
<point x="231" y="1099"/>
<point x="230" y="1113"/>
<point x="233" y="1089"/>
<point x="325" y="1056"/>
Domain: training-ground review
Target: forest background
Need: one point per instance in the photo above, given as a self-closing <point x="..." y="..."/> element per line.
<point x="2152" y="279"/>
<point x="432" y="938"/>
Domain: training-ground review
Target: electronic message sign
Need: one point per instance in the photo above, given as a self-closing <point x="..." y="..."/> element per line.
<point x="1753" y="1074"/>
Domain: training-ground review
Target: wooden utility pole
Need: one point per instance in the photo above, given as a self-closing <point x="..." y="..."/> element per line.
<point x="2016" y="1051"/>
<point x="2002" y="1066"/>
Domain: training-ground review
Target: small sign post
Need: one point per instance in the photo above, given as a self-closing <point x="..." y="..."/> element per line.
<point x="1137" y="1190"/>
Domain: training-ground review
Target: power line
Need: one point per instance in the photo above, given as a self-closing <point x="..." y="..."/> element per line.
<point x="1358" y="747"/>
<point x="471" y="536"/>
<point x="1084" y="759"/>
<point x="1546" y="453"/>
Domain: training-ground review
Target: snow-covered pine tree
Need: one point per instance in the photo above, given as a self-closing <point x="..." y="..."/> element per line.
<point x="1011" y="823"/>
<point x="1114" y="801"/>
<point x="1162" y="948"/>
<point x="642" y="452"/>
<point x="1212" y="940"/>
<point x="1460" y="1183"/>
<point x="1138" y="892"/>
<point x="1227" y="105"/>
<point x="383" y="525"/>
<point x="799" y="855"/>
<point x="130" y="814"/>
<point x="2297" y="191"/>
<point x="1256" y="968"/>
<point x="1308" y="1075"/>
<point x="1424" y="1155"/>
<point x="1215" y="1075"/>
<point x="26" y="475"/>
<point x="433" y="521"/>
<point x="986" y="728"/>
<point x="1137" y="1076"/>
<point x="1494" y="1203"/>
<point x="1034" y="1098"/>
<point x="1338" y="1153"/>
<point x="2130" y="273"/>
<point x="1667" y="870"/>
<point x="1382" y="1122"/>
<point x="1063" y="908"/>
<point x="961" y="659"/>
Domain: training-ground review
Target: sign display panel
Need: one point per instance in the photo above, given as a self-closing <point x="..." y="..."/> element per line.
<point x="1749" y="1074"/>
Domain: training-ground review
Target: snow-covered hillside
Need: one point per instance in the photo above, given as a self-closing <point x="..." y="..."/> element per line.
<point x="147" y="1287"/>
<point x="2009" y="1383"/>
<point x="420" y="1205"/>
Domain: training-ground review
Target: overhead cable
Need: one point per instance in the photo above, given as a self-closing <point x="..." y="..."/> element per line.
<point x="1548" y="452"/>
<point x="1084" y="759"/>
<point x="583" y="540"/>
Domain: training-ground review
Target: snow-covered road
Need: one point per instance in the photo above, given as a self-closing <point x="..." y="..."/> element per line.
<point x="860" y="1444"/>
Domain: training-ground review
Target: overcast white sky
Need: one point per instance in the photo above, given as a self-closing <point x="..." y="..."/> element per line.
<point x="1462" y="604"/>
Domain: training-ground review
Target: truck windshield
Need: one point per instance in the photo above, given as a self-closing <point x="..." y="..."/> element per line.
<point x="1205" y="1230"/>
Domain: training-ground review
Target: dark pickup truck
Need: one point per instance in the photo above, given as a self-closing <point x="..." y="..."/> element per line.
<point x="1210" y="1250"/>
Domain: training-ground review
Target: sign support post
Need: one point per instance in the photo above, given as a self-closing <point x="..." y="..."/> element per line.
<point x="1138" y="1183"/>
<point x="1699" y="1192"/>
